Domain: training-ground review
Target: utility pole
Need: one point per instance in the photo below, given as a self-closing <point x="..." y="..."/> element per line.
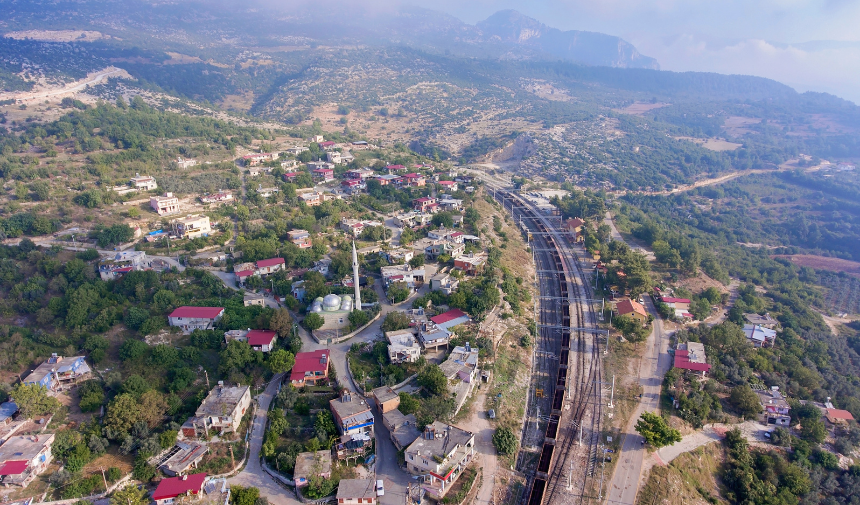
<point x="104" y="478"/>
<point x="233" y="460"/>
<point x="207" y="378"/>
<point x="612" y="394"/>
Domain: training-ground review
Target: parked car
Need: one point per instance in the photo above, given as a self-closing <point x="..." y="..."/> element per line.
<point x="380" y="489"/>
<point x="491" y="414"/>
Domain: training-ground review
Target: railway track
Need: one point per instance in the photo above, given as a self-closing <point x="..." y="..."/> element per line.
<point x="566" y="470"/>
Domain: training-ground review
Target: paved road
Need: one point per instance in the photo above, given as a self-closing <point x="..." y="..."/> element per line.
<point x="617" y="236"/>
<point x="253" y="474"/>
<point x="653" y="366"/>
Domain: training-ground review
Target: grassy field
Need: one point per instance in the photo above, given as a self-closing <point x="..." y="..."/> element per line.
<point x="690" y="479"/>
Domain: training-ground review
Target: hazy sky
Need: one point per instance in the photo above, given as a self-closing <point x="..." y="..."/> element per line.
<point x="758" y="37"/>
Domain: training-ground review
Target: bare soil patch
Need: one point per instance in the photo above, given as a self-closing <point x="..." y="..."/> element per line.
<point x="713" y="144"/>
<point x="737" y="125"/>
<point x="639" y="108"/>
<point x="58" y="35"/>
<point x="823" y="263"/>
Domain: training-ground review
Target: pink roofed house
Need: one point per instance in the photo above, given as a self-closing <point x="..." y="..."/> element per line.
<point x="270" y="266"/>
<point x="261" y="340"/>
<point x="169" y="490"/>
<point x="451" y="318"/>
<point x="195" y="318"/>
<point x="310" y="368"/>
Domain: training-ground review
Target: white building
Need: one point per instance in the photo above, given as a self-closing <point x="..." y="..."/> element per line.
<point x="143" y="182"/>
<point x="164" y="205"/>
<point x="403" y="346"/>
<point x="193" y="226"/>
<point x="220" y="412"/>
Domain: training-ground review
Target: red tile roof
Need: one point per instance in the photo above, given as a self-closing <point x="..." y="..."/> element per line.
<point x="14" y="467"/>
<point x="176" y="486"/>
<point x="412" y="176"/>
<point x="575" y="222"/>
<point x="447" y="183"/>
<point x="448" y="316"/>
<point x="201" y="312"/>
<point x="669" y="299"/>
<point x="423" y="199"/>
<point x="323" y="170"/>
<point x="309" y="362"/>
<point x="260" y="337"/>
<point x="682" y="361"/>
<point x="327" y="143"/>
<point x="395" y="167"/>
<point x="245" y="273"/>
<point x="629" y="306"/>
<point x="270" y="262"/>
<point x="839" y="414"/>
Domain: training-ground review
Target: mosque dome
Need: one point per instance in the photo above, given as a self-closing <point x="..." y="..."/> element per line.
<point x="331" y="303"/>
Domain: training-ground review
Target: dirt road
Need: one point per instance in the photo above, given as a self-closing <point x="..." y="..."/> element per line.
<point x="75" y="87"/>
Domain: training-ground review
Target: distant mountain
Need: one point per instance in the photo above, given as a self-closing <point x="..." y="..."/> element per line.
<point x="525" y="35"/>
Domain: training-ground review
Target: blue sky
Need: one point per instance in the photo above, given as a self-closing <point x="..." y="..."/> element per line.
<point x="756" y="37"/>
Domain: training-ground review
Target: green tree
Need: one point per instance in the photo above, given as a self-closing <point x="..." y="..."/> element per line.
<point x="630" y="328"/>
<point x="281" y="323"/>
<point x="33" y="399"/>
<point x="324" y="424"/>
<point x="417" y="261"/>
<point x="396" y="321"/>
<point x="243" y="495"/>
<point x="281" y="361"/>
<point x="314" y="321"/>
<point x="433" y="379"/>
<point x="358" y="318"/>
<point x="129" y="495"/>
<point x="656" y="432"/>
<point x="408" y="404"/>
<point x="398" y="291"/>
<point x="813" y="430"/>
<point x="122" y="412"/>
<point x="505" y="441"/>
<point x="745" y="401"/>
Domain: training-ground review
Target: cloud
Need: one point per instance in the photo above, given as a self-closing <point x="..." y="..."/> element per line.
<point x="825" y="66"/>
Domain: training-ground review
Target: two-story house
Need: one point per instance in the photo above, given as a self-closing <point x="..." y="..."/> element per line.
<point x="164" y="205"/>
<point x="351" y="414"/>
<point x="220" y="412"/>
<point x="58" y="373"/>
<point x="23" y="458"/>
<point x="439" y="456"/>
<point x="311" y="368"/>
<point x="195" y="318"/>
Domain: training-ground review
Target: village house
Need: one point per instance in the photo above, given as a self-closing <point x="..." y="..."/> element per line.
<point x="386" y="399"/>
<point x="121" y="263"/>
<point x="193" y="226"/>
<point x="221" y="412"/>
<point x="351" y="415"/>
<point x="322" y="174"/>
<point x="452" y="249"/>
<point x="432" y="336"/>
<point x="300" y="238"/>
<point x="404" y="273"/>
<point x="310" y="369"/>
<point x="765" y="321"/>
<point x="356" y="491"/>
<point x="311" y="199"/>
<point x="681" y="306"/>
<point x="385" y="180"/>
<point x="289" y="164"/>
<point x="270" y="266"/>
<point x="691" y="356"/>
<point x="395" y="168"/>
<point x="414" y="180"/>
<point x="327" y="144"/>
<point x="448" y="185"/>
<point x="471" y="264"/>
<point x="221" y="197"/>
<point x="439" y="456"/>
<point x="444" y="282"/>
<point x="403" y="430"/>
<point x="574" y="227"/>
<point x="400" y="255"/>
<point x="453" y="236"/>
<point x="412" y="219"/>
<point x="252" y="160"/>
<point x="353" y="186"/>
<point x="23" y="458"/>
<point x="423" y="204"/>
<point x="354" y="227"/>
<point x="254" y="299"/>
<point x="461" y="364"/>
<point x="261" y="340"/>
<point x="7" y="413"/>
<point x="351" y="446"/>
<point x="838" y="417"/>
<point x="451" y="318"/>
<point x="403" y="346"/>
<point x="451" y="204"/>
<point x="359" y="173"/>
<point x="334" y="157"/>
<point x="311" y="463"/>
<point x="775" y="408"/>
<point x="164" y="205"/>
<point x="170" y="489"/>
<point x="184" y="456"/>
<point x="185" y="162"/>
<point x="632" y="309"/>
<point x="759" y="336"/>
<point x="195" y="318"/>
<point x="268" y="191"/>
<point x="143" y="183"/>
<point x="297" y="150"/>
<point x="58" y="373"/>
